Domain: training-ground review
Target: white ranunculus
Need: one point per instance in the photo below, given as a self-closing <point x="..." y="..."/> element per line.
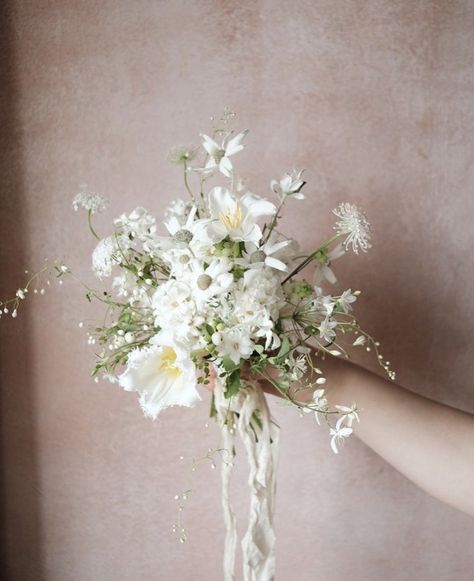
<point x="163" y="375"/>
<point x="236" y="218"/>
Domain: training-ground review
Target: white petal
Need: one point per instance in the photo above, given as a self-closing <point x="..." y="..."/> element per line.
<point x="234" y="145"/>
<point x="257" y="207"/>
<point x="221" y="201"/>
<point x="272" y="248"/>
<point x="210" y="145"/>
<point x="225" y="166"/>
<point x="275" y="263"/>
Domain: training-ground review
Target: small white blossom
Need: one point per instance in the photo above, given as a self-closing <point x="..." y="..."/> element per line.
<point x="326" y="330"/>
<point x="289" y="186"/>
<point x="354" y="223"/>
<point x="338" y="435"/>
<point x="361" y="340"/>
<point x="89" y="201"/>
<point x="320" y="403"/>
<point x="219" y="155"/>
<point x="345" y="300"/>
<point x="235" y="344"/>
<point x="348" y="414"/>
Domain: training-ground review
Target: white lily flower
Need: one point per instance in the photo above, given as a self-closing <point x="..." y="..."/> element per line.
<point x="338" y="435"/>
<point x="236" y="218"/>
<point x="163" y="375"/>
<point x="289" y="186"/>
<point x="220" y="154"/>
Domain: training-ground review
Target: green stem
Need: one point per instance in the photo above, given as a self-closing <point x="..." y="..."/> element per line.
<point x="275" y="220"/>
<point x="186" y="183"/>
<point x="310" y="258"/>
<point x="89" y="220"/>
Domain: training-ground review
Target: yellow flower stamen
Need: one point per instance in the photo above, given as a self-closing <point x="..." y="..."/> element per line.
<point x="167" y="365"/>
<point x="233" y="219"/>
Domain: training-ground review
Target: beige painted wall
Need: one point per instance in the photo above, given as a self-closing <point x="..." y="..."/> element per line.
<point x="375" y="98"/>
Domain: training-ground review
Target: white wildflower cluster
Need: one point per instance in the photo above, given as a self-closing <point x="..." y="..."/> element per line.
<point x="216" y="292"/>
<point x="89" y="201"/>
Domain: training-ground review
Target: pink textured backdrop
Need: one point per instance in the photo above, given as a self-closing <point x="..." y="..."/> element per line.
<point x="376" y="100"/>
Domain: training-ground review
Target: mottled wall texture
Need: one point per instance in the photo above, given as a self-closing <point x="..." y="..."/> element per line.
<point x="375" y="99"/>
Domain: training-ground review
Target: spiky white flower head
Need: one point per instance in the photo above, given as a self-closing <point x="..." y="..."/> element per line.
<point x="354" y="223"/>
<point x="89" y="201"/>
<point x="182" y="153"/>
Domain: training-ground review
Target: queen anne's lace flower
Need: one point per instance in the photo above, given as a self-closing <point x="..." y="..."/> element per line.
<point x="354" y="223"/>
<point x="89" y="201"/>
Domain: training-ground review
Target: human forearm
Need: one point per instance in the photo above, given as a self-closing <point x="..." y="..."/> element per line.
<point x="431" y="444"/>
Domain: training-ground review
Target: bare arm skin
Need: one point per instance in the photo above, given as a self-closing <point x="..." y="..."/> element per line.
<point x="430" y="443"/>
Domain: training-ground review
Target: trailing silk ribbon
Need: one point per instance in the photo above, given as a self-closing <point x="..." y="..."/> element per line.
<point x="248" y="412"/>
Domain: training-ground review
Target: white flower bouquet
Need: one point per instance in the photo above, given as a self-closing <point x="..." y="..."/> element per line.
<point x="218" y="300"/>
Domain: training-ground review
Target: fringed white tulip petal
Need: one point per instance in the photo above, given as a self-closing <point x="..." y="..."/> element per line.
<point x="160" y="378"/>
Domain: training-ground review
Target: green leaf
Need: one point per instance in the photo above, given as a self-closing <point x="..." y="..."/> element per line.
<point x="232" y="383"/>
<point x="228" y="364"/>
<point x="284" y="350"/>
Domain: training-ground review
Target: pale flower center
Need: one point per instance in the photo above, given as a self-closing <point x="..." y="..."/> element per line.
<point x="233" y="218"/>
<point x="167" y="365"/>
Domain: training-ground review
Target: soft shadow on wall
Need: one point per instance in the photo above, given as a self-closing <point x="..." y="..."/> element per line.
<point x="20" y="525"/>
